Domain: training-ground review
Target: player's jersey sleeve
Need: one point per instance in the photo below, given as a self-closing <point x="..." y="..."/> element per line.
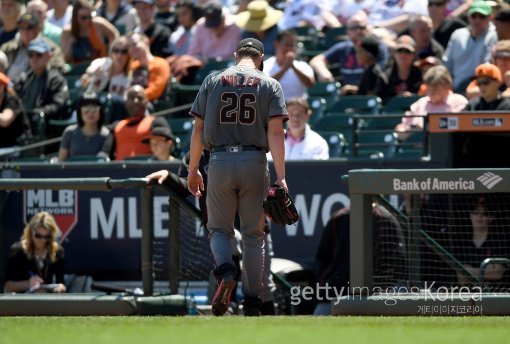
<point x="199" y="105"/>
<point x="277" y="105"/>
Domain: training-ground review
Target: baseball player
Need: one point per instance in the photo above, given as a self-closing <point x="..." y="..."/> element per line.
<point x="239" y="114"/>
<point x="178" y="183"/>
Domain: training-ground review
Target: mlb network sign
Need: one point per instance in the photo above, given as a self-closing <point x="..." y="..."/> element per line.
<point x="488" y="180"/>
<point x="62" y="204"/>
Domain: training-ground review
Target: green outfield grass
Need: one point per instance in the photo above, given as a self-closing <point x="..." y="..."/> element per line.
<point x="239" y="330"/>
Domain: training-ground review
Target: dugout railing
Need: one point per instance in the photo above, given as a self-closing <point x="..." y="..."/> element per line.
<point x="146" y="212"/>
<point x="369" y="187"/>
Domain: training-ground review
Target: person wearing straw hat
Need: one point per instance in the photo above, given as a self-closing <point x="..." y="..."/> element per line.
<point x="260" y="21"/>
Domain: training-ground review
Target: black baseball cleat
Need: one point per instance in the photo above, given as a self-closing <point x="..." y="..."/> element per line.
<point x="221" y="300"/>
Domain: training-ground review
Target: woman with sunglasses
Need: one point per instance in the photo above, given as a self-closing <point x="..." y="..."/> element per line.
<point x="88" y="135"/>
<point x="110" y="74"/>
<point x="36" y="262"/>
<point x="88" y="36"/>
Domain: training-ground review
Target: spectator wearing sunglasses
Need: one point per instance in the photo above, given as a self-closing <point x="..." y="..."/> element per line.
<point x="468" y="47"/>
<point x="88" y="136"/>
<point x="488" y="79"/>
<point x="342" y="56"/>
<point x="402" y="77"/>
<point x="87" y="37"/>
<point x="43" y="90"/>
<point x="110" y="74"/>
<point x="36" y="262"/>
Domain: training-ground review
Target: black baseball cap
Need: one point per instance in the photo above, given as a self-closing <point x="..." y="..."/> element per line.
<point x="251" y="42"/>
<point x="165" y="132"/>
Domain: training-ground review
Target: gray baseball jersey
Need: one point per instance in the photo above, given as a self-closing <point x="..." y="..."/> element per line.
<point x="236" y="105"/>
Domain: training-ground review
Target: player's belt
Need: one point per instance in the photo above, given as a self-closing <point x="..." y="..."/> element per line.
<point x="234" y="148"/>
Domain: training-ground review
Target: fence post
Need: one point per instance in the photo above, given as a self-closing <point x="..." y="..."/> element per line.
<point x="147" y="208"/>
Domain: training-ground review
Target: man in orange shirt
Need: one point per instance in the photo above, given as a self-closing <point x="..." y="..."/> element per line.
<point x="128" y="135"/>
<point x="149" y="71"/>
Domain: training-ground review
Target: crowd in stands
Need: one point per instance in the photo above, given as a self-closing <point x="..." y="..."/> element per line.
<point x="52" y="52"/>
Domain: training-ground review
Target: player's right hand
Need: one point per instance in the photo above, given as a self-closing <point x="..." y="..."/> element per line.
<point x="195" y="183"/>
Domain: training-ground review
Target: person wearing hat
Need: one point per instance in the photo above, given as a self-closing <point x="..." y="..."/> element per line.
<point x="401" y="77"/>
<point x="470" y="46"/>
<point x="158" y="34"/>
<point x="260" y="21"/>
<point x="43" y="89"/>
<point x="87" y="137"/>
<point x="501" y="59"/>
<point x="13" y="121"/>
<point x="239" y="114"/>
<point x="216" y="34"/>
<point x="488" y="79"/>
<point x="29" y="28"/>
<point x="214" y="38"/>
<point x="162" y="143"/>
<point x="294" y="75"/>
<point x="10" y="11"/>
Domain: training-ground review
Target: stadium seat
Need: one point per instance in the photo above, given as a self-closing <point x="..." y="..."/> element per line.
<point x="336" y="121"/>
<point x="379" y="122"/>
<point x="318" y="107"/>
<point x="331" y="37"/>
<point x="336" y="141"/>
<point x="76" y="69"/>
<point x="380" y="141"/>
<point x="182" y="128"/>
<point x="356" y="104"/>
<point x="399" y="104"/>
<point x="308" y="36"/>
<point x="327" y="90"/>
<point x="211" y="66"/>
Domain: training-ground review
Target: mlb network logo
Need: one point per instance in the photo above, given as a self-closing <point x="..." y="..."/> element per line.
<point x="489" y="179"/>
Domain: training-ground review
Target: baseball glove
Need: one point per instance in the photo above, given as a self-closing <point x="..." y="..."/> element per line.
<point x="280" y="207"/>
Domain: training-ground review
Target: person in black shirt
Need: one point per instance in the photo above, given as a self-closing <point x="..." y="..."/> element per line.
<point x="489" y="79"/>
<point x="158" y="34"/>
<point x="37" y="259"/>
